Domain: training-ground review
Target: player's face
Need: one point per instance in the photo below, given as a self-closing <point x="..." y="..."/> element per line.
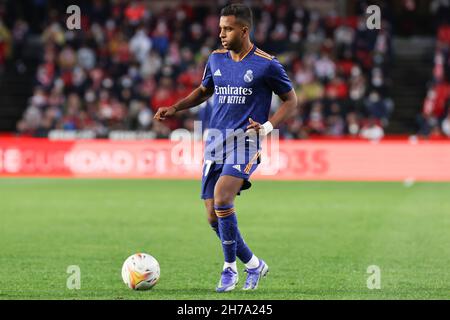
<point x="232" y="33"/>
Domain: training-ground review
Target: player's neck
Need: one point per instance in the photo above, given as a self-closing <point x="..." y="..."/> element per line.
<point x="245" y="49"/>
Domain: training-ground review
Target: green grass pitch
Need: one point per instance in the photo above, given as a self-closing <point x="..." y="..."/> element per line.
<point x="317" y="237"/>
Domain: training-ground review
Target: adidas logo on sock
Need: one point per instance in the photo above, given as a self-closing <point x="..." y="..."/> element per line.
<point x="217" y="73"/>
<point x="228" y="242"/>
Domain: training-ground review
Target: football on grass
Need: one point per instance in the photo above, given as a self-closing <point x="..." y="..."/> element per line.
<point x="140" y="271"/>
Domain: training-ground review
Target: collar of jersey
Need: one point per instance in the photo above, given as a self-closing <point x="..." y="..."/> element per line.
<point x="253" y="48"/>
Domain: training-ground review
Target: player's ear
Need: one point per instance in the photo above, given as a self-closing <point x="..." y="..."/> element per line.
<point x="245" y="30"/>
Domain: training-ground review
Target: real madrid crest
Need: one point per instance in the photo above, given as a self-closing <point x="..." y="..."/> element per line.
<point x="248" y="76"/>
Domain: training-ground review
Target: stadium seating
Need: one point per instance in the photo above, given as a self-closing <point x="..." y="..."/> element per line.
<point x="132" y="57"/>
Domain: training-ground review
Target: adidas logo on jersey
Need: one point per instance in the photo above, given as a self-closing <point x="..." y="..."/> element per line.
<point x="217" y="73"/>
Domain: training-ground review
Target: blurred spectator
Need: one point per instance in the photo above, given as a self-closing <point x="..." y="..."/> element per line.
<point x="376" y="107"/>
<point x="325" y="68"/>
<point x="372" y="130"/>
<point x="336" y="89"/>
<point x="358" y="87"/>
<point x="434" y="108"/>
<point x="136" y="12"/>
<point x="353" y="124"/>
<point x="140" y="45"/>
<point x="446" y="125"/>
<point x="316" y="121"/>
<point x="335" y="121"/>
<point x="86" y="57"/>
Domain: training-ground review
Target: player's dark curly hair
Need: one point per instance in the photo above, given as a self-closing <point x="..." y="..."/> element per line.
<point x="240" y="11"/>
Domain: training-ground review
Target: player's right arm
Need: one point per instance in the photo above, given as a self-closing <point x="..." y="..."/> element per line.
<point x="196" y="97"/>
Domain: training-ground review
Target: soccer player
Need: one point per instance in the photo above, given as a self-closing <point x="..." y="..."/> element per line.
<point x="242" y="78"/>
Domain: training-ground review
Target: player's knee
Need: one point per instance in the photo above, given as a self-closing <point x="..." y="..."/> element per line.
<point x="223" y="199"/>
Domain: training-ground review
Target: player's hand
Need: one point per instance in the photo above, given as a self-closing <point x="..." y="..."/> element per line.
<point x="262" y="129"/>
<point x="253" y="126"/>
<point x="164" y="112"/>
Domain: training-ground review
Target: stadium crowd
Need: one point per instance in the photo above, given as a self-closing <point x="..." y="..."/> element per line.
<point x="434" y="120"/>
<point x="130" y="58"/>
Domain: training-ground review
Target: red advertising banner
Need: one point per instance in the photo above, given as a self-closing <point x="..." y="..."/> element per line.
<point x="387" y="160"/>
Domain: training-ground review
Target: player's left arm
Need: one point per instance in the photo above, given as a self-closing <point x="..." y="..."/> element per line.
<point x="278" y="81"/>
<point x="284" y="112"/>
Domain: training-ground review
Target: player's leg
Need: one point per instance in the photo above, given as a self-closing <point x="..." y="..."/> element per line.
<point x="211" y="216"/>
<point x="211" y="174"/>
<point x="255" y="267"/>
<point x="209" y="179"/>
<point x="225" y="192"/>
<point x="243" y="252"/>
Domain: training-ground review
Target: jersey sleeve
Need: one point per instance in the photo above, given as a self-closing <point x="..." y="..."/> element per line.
<point x="277" y="78"/>
<point x="207" y="80"/>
